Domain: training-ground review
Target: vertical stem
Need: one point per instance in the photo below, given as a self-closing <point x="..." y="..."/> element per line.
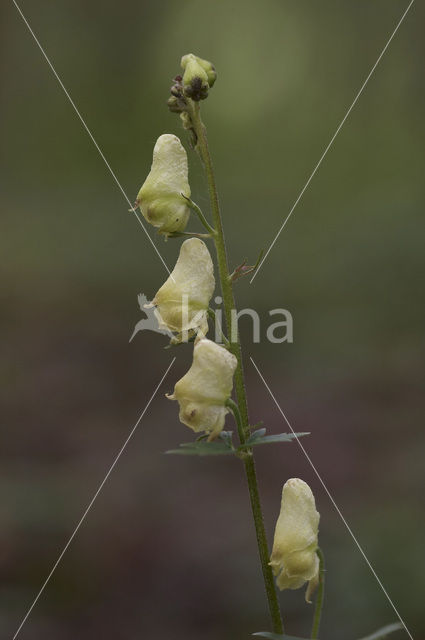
<point x="232" y="329"/>
<point x="320" y="595"/>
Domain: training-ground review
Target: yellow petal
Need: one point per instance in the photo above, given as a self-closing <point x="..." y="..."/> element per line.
<point x="294" y="560"/>
<point x="182" y="301"/>
<point x="160" y="199"/>
<point x="202" y="393"/>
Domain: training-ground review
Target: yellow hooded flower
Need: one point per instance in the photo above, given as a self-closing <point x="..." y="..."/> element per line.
<point x="182" y="301"/>
<point x="160" y="199"/>
<point x="294" y="560"/>
<point x="202" y="393"/>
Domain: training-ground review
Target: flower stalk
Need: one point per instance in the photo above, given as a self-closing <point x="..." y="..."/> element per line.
<point x="320" y="596"/>
<point x="193" y="109"/>
<point x="192" y="205"/>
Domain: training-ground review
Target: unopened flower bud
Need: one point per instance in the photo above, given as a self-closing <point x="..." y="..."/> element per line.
<point x="160" y="198"/>
<point x="182" y="301"/>
<point x="202" y="393"/>
<point x="175" y="104"/>
<point x="294" y="559"/>
<point x="199" y="75"/>
<point x="172" y="103"/>
<point x="175" y="90"/>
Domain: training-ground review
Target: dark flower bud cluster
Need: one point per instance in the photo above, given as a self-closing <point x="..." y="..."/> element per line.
<point x="177" y="101"/>
<point x="198" y="77"/>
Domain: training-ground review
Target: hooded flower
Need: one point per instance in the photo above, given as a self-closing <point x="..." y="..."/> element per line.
<point x="202" y="393"/>
<point x="182" y="301"/>
<point x="199" y="75"/>
<point x="160" y="198"/>
<point x="294" y="560"/>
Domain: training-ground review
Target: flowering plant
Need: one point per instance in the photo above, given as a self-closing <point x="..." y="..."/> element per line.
<point x="204" y="394"/>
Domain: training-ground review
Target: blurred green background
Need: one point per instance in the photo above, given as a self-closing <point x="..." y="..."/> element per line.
<point x="168" y="550"/>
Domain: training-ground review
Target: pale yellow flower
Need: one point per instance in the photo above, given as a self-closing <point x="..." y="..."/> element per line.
<point x="160" y="199"/>
<point x="202" y="393"/>
<point x="294" y="560"/>
<point x="182" y="301"/>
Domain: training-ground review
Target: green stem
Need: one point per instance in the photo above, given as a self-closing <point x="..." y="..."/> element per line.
<point x="236" y="413"/>
<point x="212" y="314"/>
<point x="235" y="348"/>
<point x="320" y="595"/>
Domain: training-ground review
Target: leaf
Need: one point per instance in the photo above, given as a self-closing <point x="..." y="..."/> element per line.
<point x="227" y="436"/>
<point x="202" y="448"/>
<point x="224" y="446"/>
<point x="382" y="633"/>
<point x="276" y="636"/>
<point x="257" y="434"/>
<point x="244" y="269"/>
<point x="278" y="437"/>
<point x="204" y="436"/>
<point x="257" y="425"/>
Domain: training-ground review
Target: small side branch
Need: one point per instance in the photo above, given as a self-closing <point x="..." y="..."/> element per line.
<point x="234" y="408"/>
<point x="244" y="269"/>
<point x="200" y="215"/>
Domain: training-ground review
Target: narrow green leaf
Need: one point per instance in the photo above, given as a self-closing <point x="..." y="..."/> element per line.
<point x="257" y="434"/>
<point x="257" y="425"/>
<point x="276" y="636"/>
<point x="227" y="436"/>
<point x="225" y="447"/>
<point x="278" y="437"/>
<point x="382" y="633"/>
<point x="202" y="448"/>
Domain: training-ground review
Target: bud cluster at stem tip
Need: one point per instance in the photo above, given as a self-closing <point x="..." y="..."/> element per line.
<point x="198" y="77"/>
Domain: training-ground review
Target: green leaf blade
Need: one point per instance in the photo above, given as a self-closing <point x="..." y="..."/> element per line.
<point x="258" y="434"/>
<point x="202" y="448"/>
<point x="278" y="437"/>
<point x="384" y="631"/>
<point x="276" y="636"/>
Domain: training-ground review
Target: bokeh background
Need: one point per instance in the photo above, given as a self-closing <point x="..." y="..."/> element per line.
<point x="168" y="549"/>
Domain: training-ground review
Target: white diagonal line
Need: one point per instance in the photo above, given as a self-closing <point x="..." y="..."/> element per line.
<point x="89" y="133"/>
<point x="319" y="477"/>
<point x="332" y="141"/>
<point x="93" y="500"/>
